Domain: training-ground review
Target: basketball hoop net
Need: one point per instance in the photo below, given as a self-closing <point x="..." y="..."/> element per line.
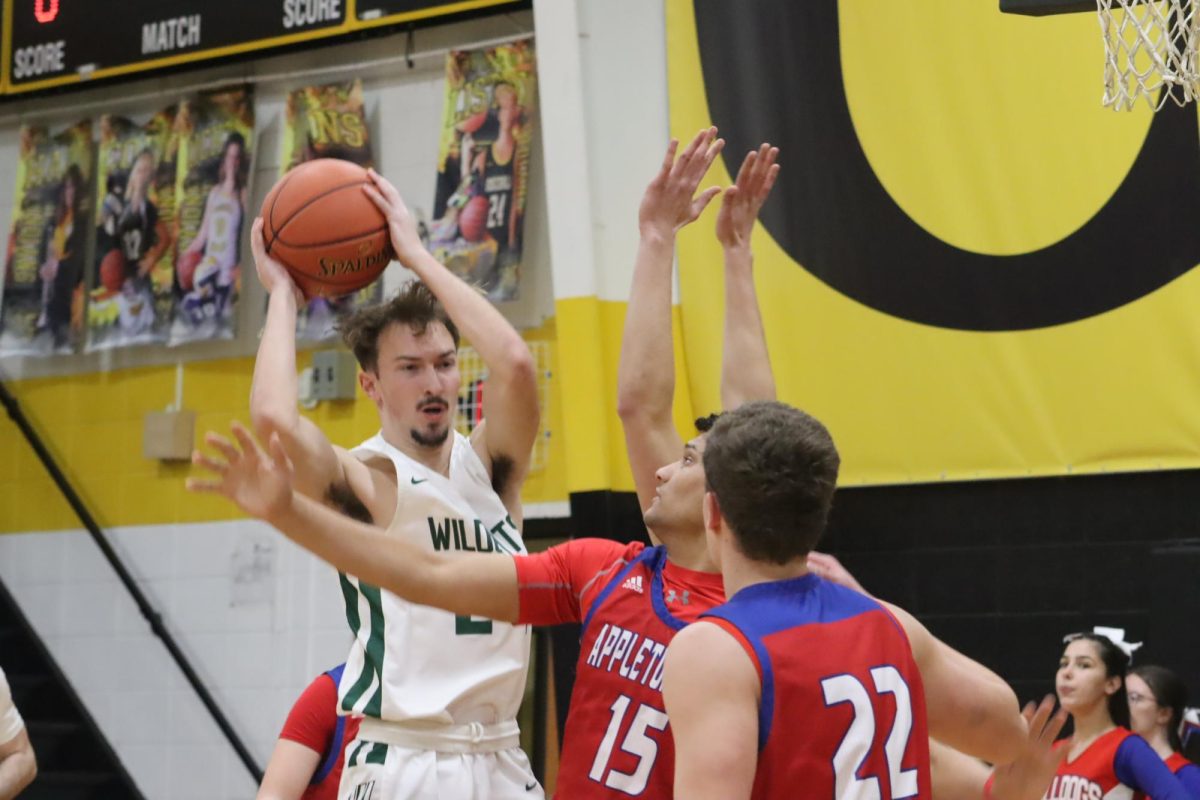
<point x="1150" y="51"/>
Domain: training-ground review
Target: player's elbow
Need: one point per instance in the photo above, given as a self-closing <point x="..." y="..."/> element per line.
<point x="627" y="402"/>
<point x="520" y="365"/>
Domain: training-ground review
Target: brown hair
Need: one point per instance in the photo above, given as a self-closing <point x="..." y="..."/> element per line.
<point x="414" y="305"/>
<point x="773" y="469"/>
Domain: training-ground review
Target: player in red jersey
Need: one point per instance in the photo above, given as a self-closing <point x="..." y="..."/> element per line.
<point x="798" y="682"/>
<point x="631" y="599"/>
<point x="308" y="758"/>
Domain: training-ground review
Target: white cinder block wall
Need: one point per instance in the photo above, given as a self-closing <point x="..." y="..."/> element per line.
<point x="257" y="617"/>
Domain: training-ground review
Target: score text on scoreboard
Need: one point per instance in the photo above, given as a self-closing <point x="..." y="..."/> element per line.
<point x="50" y="43"/>
<point x="55" y="42"/>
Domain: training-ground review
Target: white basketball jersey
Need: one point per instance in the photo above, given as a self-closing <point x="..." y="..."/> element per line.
<point x="224" y="225"/>
<point x="411" y="662"/>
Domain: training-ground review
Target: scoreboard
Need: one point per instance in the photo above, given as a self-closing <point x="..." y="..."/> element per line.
<point x="49" y="43"/>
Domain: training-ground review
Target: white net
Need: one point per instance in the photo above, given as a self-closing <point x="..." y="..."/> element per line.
<point x="1150" y="51"/>
<point x="471" y="399"/>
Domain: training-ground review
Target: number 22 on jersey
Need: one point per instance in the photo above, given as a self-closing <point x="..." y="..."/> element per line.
<point x="859" y="738"/>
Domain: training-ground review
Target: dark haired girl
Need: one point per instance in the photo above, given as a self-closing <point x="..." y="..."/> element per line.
<point x="1104" y="758"/>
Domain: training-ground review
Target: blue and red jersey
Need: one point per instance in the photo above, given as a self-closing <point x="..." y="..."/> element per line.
<point x="1119" y="765"/>
<point x="631" y="601"/>
<point x="314" y="722"/>
<point x="842" y="701"/>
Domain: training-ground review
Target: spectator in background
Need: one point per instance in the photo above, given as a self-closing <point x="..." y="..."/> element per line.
<point x="1104" y="757"/>
<point x="18" y="767"/>
<point x="1157" y="699"/>
<point x="308" y="758"/>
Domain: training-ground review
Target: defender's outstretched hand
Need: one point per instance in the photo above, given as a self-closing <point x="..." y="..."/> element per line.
<point x="742" y="201"/>
<point x="402" y="225"/>
<point x="826" y="566"/>
<point x="670" y="202"/>
<point x="258" y="482"/>
<point x="1028" y="777"/>
<point x="271" y="274"/>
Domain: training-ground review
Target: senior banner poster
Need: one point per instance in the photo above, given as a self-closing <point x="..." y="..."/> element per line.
<point x="216" y="141"/>
<point x="966" y="270"/>
<point x="483" y="165"/>
<point x="43" y="297"/>
<point x="328" y="122"/>
<point x="131" y="291"/>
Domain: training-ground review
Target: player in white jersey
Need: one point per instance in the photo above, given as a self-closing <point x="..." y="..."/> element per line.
<point x="439" y="693"/>
<point x="219" y="234"/>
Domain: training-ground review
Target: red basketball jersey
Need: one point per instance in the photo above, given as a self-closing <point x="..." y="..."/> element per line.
<point x="842" y="712"/>
<point x="631" y="602"/>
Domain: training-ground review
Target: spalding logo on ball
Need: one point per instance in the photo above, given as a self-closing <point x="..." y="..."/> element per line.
<point x="322" y="227"/>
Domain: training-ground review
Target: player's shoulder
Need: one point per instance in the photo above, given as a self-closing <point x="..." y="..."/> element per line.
<point x="709" y="654"/>
<point x="707" y="636"/>
<point x="595" y="548"/>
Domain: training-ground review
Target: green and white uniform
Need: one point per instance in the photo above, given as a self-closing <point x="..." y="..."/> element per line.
<point x="439" y="692"/>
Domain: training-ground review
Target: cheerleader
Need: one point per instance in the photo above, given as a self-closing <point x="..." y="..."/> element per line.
<point x="1104" y="760"/>
<point x="1156" y="702"/>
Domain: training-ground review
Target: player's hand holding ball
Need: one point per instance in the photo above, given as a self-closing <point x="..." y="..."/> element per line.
<point x="402" y="225"/>
<point x="271" y="274"/>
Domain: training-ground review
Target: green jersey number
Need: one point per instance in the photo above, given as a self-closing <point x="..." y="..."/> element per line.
<point x="469" y="626"/>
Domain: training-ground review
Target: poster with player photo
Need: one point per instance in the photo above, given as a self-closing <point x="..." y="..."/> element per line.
<point x="216" y="145"/>
<point x="483" y="165"/>
<point x="43" y="297"/>
<point x="131" y="285"/>
<point x="328" y="122"/>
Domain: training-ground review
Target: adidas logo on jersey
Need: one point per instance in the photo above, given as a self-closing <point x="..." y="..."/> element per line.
<point x="633" y="582"/>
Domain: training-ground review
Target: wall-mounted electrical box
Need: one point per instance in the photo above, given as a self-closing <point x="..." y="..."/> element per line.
<point x="334" y="375"/>
<point x="169" y="435"/>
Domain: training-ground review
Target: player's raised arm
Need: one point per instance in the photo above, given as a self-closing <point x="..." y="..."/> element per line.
<point x="505" y="440"/>
<point x="274" y="393"/>
<point x="968" y="707"/>
<point x="711" y="690"/>
<point x="646" y="374"/>
<point x="260" y="483"/>
<point x="745" y="367"/>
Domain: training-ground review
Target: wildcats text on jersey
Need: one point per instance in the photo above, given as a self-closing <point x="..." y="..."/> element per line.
<point x="634" y="656"/>
<point x="450" y="533"/>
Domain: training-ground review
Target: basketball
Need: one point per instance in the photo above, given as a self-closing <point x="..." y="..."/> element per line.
<point x="112" y="270"/>
<point x="472" y="220"/>
<point x="322" y="227"/>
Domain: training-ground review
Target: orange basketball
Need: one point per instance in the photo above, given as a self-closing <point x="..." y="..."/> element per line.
<point x="112" y="270"/>
<point x="318" y="222"/>
<point x="472" y="220"/>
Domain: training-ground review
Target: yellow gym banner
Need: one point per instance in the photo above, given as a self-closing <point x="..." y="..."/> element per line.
<point x="969" y="268"/>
